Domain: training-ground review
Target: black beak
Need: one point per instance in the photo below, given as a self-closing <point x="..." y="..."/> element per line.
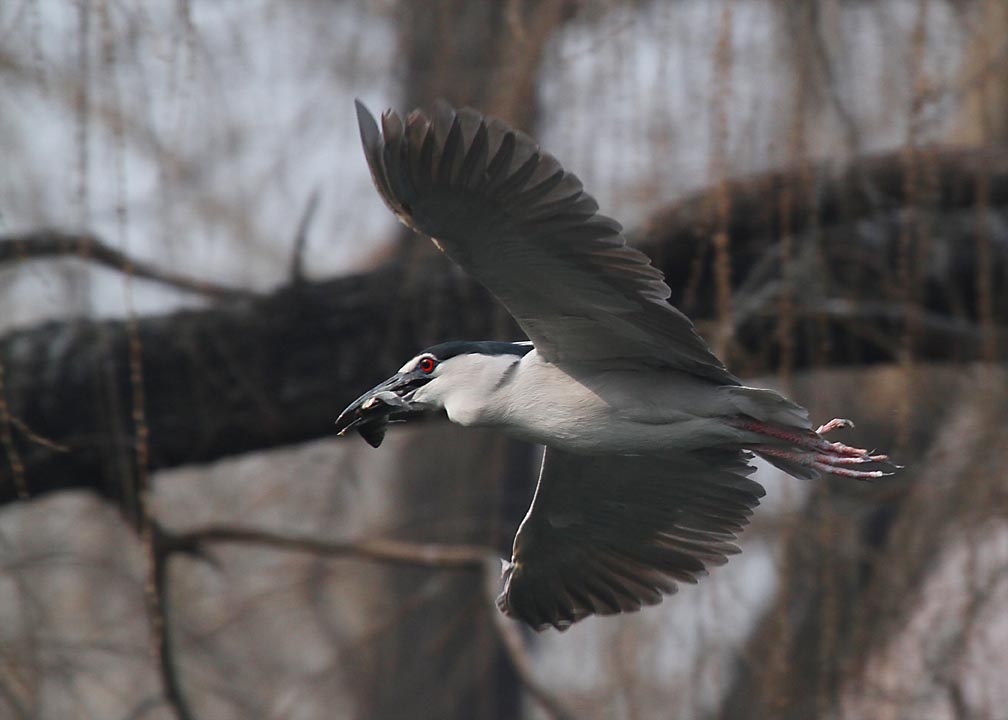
<point x="371" y="413"/>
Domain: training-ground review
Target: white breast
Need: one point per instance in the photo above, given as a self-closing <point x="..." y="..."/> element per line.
<point x="622" y="411"/>
<point x="615" y="411"/>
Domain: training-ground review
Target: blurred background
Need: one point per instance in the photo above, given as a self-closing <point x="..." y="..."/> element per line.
<point x="196" y="276"/>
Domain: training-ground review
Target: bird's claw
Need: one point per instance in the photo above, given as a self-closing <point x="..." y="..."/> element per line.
<point x="835" y="424"/>
<point x="813" y="450"/>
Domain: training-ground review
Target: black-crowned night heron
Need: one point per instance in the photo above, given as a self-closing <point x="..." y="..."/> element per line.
<point x="648" y="437"/>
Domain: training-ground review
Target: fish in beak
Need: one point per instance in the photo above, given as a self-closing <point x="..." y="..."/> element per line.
<point x="388" y="402"/>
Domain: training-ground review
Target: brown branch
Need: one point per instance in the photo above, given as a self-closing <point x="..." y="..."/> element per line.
<point x="159" y="610"/>
<point x="509" y="634"/>
<point x="297" y="273"/>
<point x="381" y="550"/>
<point x="869" y="189"/>
<point x="11" y="695"/>
<point x="255" y="372"/>
<point x="34" y="437"/>
<point x="49" y="243"/>
<point x="17" y="471"/>
<point x="439" y="556"/>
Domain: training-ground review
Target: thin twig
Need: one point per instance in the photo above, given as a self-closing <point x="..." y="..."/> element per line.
<point x="301" y="239"/>
<point x="167" y="543"/>
<point x="820" y="47"/>
<point x="7" y="442"/>
<point x="13" y="697"/>
<point x="396" y="552"/>
<point x="34" y="437"/>
<point x="160" y="612"/>
<point x="509" y="634"/>
<point x="50" y="243"/>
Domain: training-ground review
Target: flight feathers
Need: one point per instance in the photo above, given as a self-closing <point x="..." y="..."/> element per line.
<point x="519" y="223"/>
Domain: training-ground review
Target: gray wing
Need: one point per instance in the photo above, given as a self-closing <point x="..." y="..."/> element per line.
<point x="609" y="534"/>
<point x="521" y="225"/>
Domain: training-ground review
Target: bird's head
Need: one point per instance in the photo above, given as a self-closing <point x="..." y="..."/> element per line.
<point x="424" y="384"/>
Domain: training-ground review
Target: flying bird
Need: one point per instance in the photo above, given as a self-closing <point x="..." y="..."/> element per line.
<point x="645" y="477"/>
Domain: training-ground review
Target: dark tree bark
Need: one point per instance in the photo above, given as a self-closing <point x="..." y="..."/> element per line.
<point x="918" y="276"/>
<point x="895" y="253"/>
<point x="253" y="373"/>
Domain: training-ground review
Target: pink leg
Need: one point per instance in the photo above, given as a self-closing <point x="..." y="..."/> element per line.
<point x="811" y="449"/>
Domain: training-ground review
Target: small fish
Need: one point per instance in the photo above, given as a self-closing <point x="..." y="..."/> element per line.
<point x="370" y="418"/>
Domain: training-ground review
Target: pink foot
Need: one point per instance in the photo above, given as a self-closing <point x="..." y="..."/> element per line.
<point x="812" y="450"/>
<point x="836" y="424"/>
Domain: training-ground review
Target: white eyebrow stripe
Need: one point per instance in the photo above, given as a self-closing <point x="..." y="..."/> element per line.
<point x="414" y="362"/>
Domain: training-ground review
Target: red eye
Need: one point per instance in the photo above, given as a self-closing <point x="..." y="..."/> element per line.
<point x="427" y="365"/>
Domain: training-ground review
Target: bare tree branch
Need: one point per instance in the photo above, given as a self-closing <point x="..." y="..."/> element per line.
<point x="11" y="452"/>
<point x="301" y="238"/>
<point x="510" y="637"/>
<point x="381" y="550"/>
<point x="866" y="197"/>
<point x="11" y="696"/>
<point x="254" y="372"/>
<point x="47" y="243"/>
<point x="161" y="626"/>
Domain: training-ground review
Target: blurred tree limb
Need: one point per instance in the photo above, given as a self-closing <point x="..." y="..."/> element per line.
<point x="251" y="372"/>
<point x="443" y="556"/>
<point x="859" y="561"/>
<point x="48" y="243"/>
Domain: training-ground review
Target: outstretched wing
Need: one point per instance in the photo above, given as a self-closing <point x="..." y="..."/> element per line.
<point x="610" y="534"/>
<point x="515" y="220"/>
